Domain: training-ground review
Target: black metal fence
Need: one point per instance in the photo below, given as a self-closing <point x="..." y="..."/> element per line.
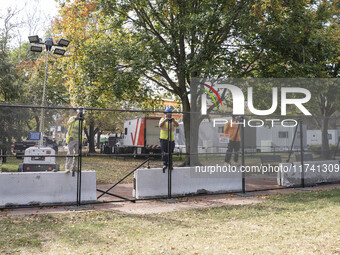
<point x="115" y="143"/>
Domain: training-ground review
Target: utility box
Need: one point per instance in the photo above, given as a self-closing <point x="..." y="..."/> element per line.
<point x="266" y="146"/>
<point x="39" y="159"/>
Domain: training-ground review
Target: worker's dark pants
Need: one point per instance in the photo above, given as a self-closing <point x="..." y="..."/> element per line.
<point x="232" y="146"/>
<point x="164" y="149"/>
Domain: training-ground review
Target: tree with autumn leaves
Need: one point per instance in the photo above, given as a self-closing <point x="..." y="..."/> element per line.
<point x="125" y="49"/>
<point x="93" y="74"/>
<point x="138" y="45"/>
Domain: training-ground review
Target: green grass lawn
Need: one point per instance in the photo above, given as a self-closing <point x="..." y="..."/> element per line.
<point x="108" y="169"/>
<point x="300" y="223"/>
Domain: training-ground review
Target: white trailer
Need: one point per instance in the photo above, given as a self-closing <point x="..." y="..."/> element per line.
<point x="314" y="137"/>
<point x="279" y="138"/>
<point x="141" y="135"/>
<point x="211" y="138"/>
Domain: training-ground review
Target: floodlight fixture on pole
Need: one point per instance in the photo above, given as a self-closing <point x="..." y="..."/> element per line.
<point x="59" y="51"/>
<point x="34" y="39"/>
<point x="36" y="48"/>
<point x="63" y="42"/>
<point x="49" y="46"/>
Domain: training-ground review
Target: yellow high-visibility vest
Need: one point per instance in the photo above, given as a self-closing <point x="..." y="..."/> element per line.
<point x="73" y="129"/>
<point x="164" y="131"/>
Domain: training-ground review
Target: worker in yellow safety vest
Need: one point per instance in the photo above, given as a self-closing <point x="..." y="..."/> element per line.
<point x="164" y="137"/>
<point x="72" y="140"/>
<point x="232" y="130"/>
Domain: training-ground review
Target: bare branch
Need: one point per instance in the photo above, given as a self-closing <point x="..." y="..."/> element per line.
<point x="159" y="83"/>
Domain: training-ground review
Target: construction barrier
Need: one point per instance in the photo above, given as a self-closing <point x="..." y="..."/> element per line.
<point x="43" y="188"/>
<point x="153" y="183"/>
<point x="314" y="172"/>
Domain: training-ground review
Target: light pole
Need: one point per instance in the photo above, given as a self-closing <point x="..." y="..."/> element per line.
<point x="58" y="49"/>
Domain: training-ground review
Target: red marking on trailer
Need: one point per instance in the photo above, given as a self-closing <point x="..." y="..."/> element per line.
<point x="134" y="138"/>
<point x="140" y="141"/>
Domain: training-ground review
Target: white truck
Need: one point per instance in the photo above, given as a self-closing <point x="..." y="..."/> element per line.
<point x="140" y="136"/>
<point x="39" y="159"/>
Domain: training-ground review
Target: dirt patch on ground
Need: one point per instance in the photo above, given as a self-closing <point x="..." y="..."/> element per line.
<point x="169" y="205"/>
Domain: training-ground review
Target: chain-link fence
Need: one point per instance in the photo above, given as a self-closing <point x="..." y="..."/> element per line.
<point x="76" y="143"/>
<point x="93" y="155"/>
<point x="268" y="152"/>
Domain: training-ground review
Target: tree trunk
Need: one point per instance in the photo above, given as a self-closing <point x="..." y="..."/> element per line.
<point x="90" y="137"/>
<point x="186" y="124"/>
<point x="325" y="142"/>
<point x="98" y="139"/>
<point x="191" y="128"/>
<point x="3" y="150"/>
<point x="37" y="121"/>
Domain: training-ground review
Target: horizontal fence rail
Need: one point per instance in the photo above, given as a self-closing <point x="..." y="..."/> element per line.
<point x="115" y="161"/>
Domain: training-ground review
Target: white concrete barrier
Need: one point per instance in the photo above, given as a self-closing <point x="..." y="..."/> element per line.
<point x="153" y="183"/>
<point x="45" y="188"/>
<point x="314" y="172"/>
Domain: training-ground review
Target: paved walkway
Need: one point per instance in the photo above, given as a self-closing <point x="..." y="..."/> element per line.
<point x="164" y="205"/>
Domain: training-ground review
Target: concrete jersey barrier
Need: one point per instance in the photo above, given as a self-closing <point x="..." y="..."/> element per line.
<point x="45" y="188"/>
<point x="314" y="172"/>
<point x="153" y="183"/>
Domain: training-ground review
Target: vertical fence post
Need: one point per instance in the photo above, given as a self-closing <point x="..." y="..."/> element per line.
<point x="292" y="145"/>
<point x="242" y="150"/>
<point x="169" y="158"/>
<point x="301" y="153"/>
<point x="80" y="145"/>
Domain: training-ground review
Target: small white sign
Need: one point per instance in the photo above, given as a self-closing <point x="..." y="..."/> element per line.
<point x="223" y="138"/>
